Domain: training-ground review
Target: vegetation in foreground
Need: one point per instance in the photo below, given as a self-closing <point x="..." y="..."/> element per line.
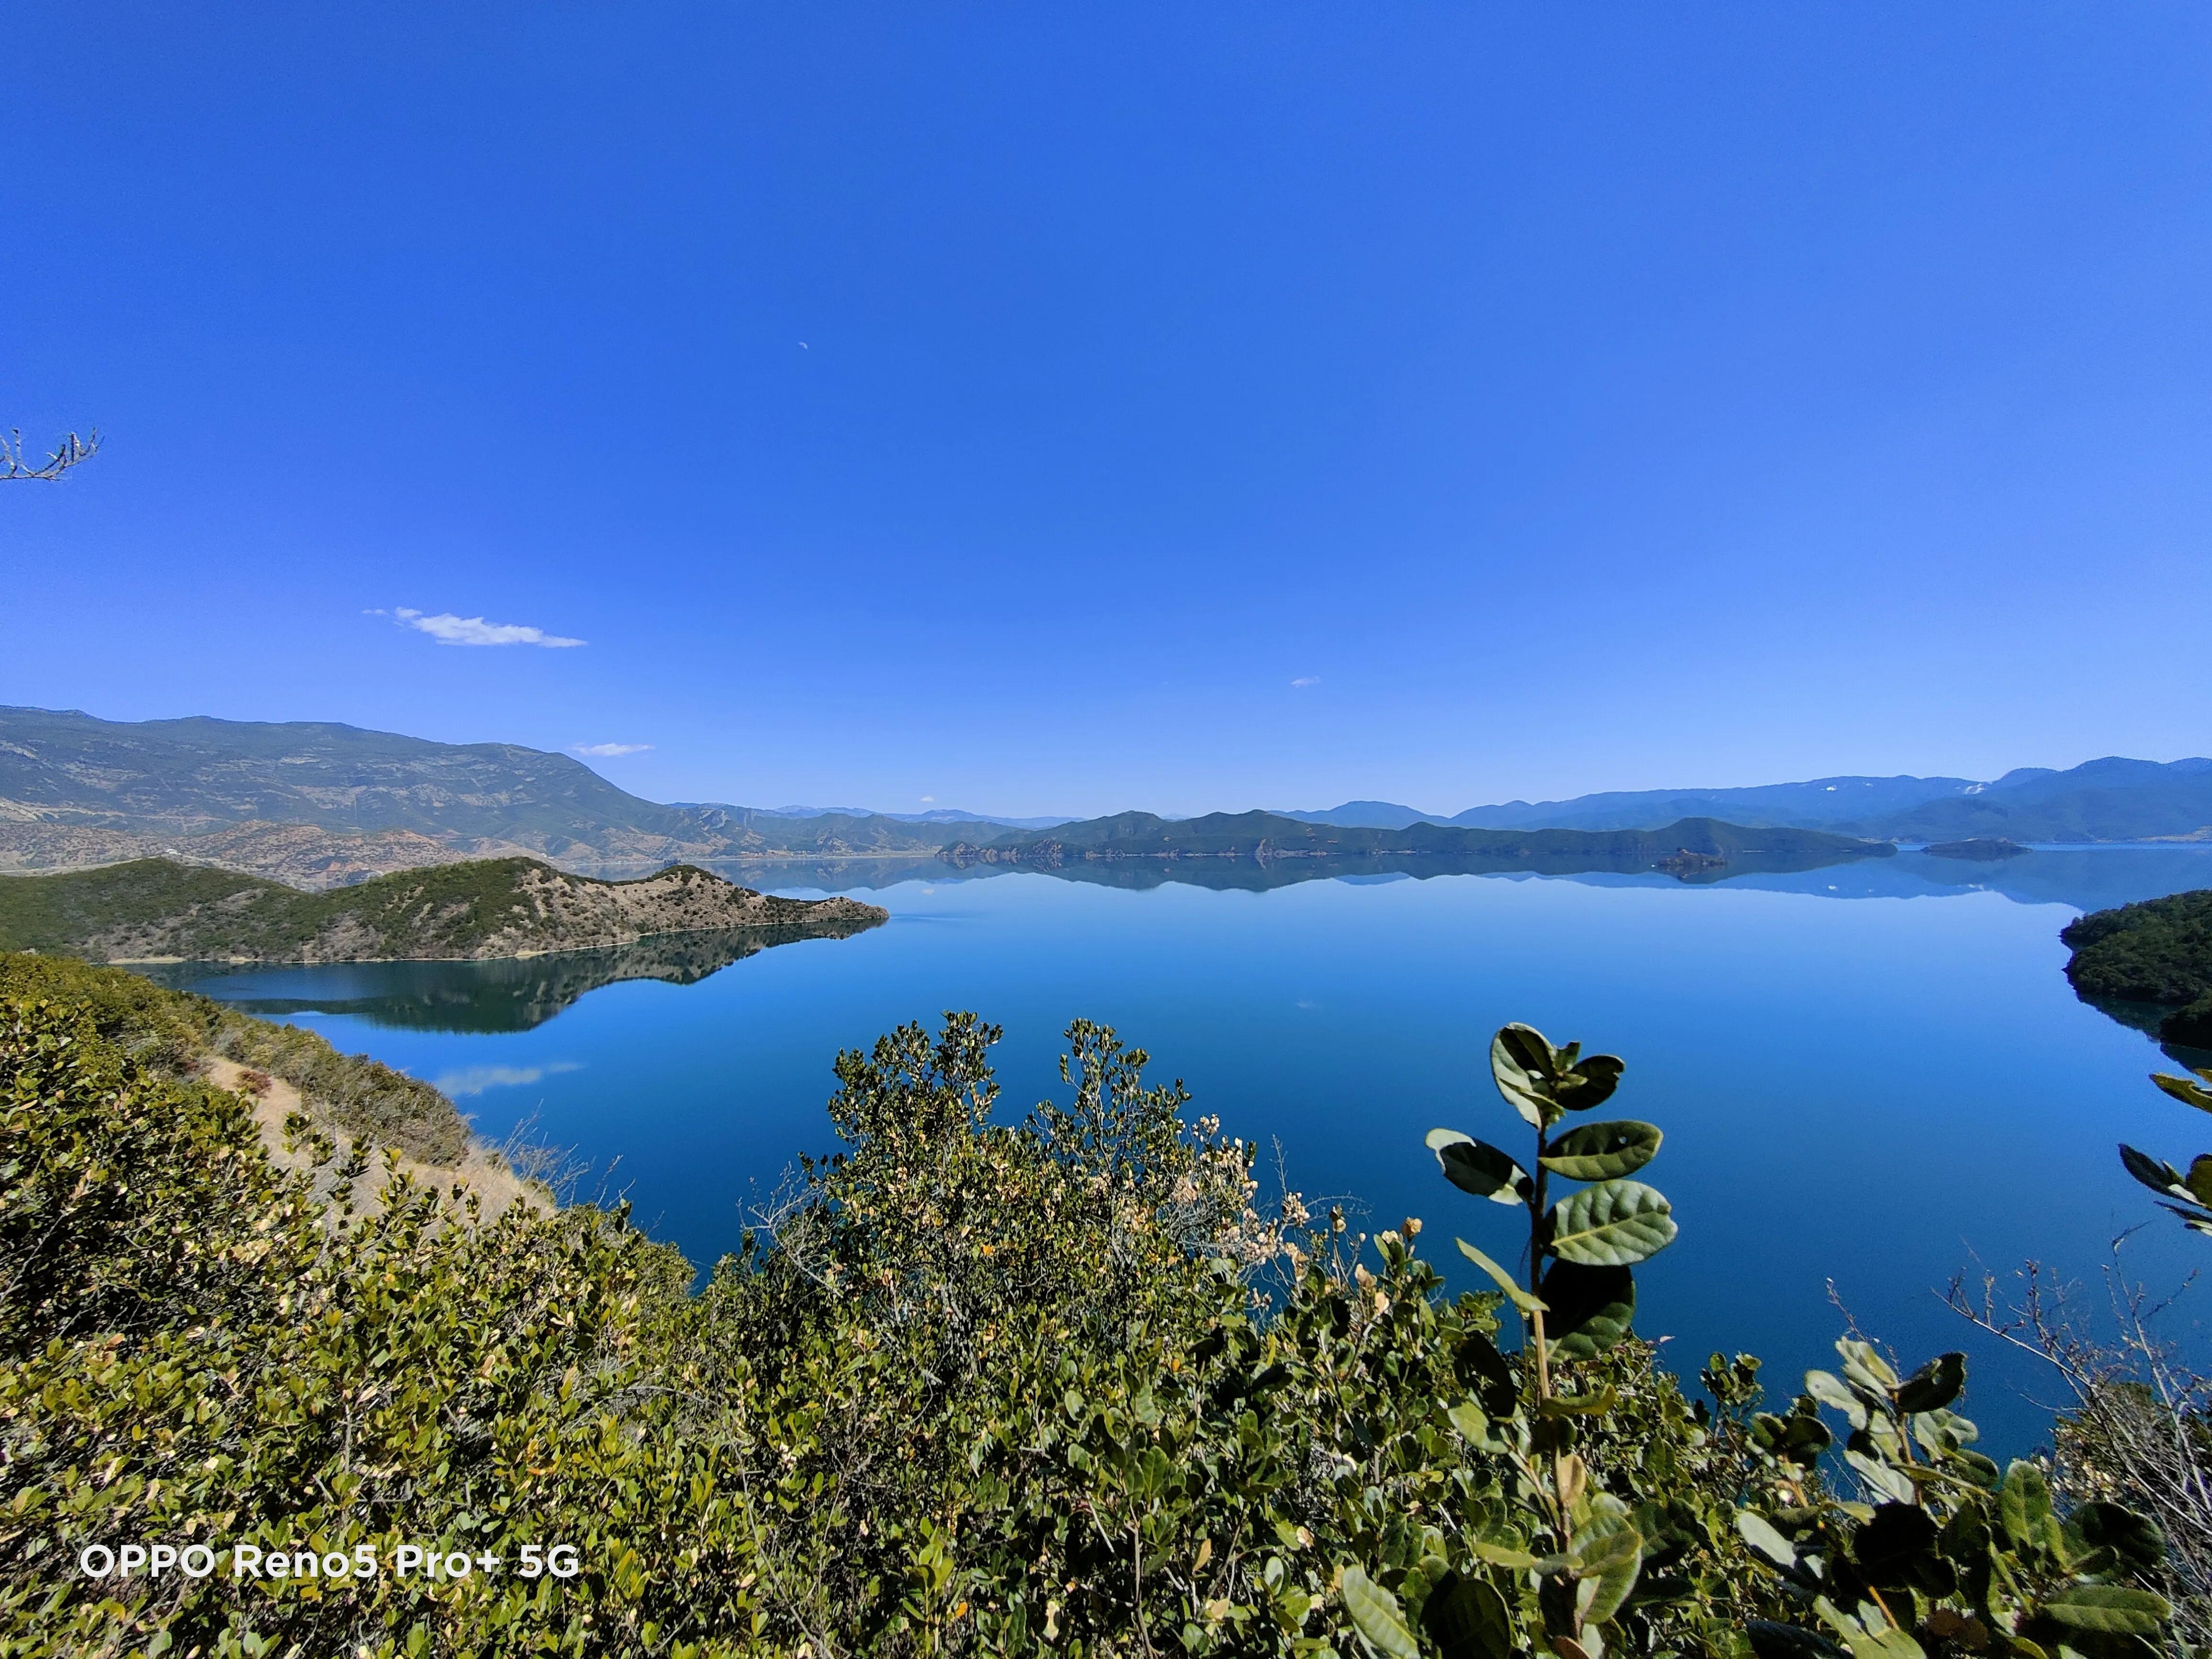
<point x="2156" y="955"/>
<point x="170" y="1033"/>
<point x="1053" y="1387"/>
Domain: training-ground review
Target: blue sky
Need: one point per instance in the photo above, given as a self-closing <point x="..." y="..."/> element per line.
<point x="1080" y="407"/>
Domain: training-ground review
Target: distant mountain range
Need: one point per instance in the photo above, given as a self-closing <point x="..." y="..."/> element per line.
<point x="2111" y="799"/>
<point x="322" y="804"/>
<point x="936" y="815"/>
<point x="1688" y="844"/>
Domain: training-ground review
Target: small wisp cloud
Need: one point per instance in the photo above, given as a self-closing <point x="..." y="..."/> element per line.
<point x="1304" y="680"/>
<point x="448" y="629"/>
<point x="475" y="1080"/>
<point x="608" y="750"/>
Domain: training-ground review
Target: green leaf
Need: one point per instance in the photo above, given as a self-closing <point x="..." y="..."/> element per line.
<point x="2111" y="1609"/>
<point x="1600" y="1152"/>
<point x="1581" y="1405"/>
<point x="1476" y="1166"/>
<point x="1888" y="1547"/>
<point x="2199" y="1178"/>
<point x="1828" y="1388"/>
<point x="1376" y="1614"/>
<point x="1758" y="1532"/>
<point x="1886" y="1642"/>
<point x="2132" y="1538"/>
<point x="2026" y="1513"/>
<point x="1772" y="1641"/>
<point x="1478" y="1364"/>
<point x="1467" y="1620"/>
<point x="1891" y="1483"/>
<point x="1521" y="1065"/>
<point x="1541" y="1082"/>
<point x="1589" y="1309"/>
<point x="1606" y="1564"/>
<point x="1614" y="1224"/>
<point x="1867" y="1370"/>
<point x="2156" y="1174"/>
<point x="1521" y="1298"/>
<point x="1935" y="1385"/>
<point x="2187" y="1091"/>
<point x="1504" y="1555"/>
<point x="1590" y="1083"/>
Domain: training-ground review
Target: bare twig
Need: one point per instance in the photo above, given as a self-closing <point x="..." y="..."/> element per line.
<point x="72" y="451"/>
<point x="2136" y="1424"/>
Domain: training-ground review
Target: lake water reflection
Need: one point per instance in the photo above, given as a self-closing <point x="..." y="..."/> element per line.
<point x="1872" y="1073"/>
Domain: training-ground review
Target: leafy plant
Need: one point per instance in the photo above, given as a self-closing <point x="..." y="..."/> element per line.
<point x="1579" y="1300"/>
<point x="1947" y="1553"/>
<point x="2188" y="1195"/>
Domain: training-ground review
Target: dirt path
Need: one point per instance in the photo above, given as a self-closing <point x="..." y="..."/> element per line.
<point x="274" y="1100"/>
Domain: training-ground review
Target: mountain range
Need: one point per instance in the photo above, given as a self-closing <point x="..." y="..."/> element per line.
<point x="2109" y="800"/>
<point x="320" y="805"/>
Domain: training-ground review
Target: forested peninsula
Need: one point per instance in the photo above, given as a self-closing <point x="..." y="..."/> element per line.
<point x="155" y="909"/>
<point x="2148" y="964"/>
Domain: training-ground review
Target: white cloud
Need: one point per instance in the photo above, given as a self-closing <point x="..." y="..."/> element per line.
<point x="929" y="801"/>
<point x="475" y="1080"/>
<point x="448" y="629"/>
<point x="609" y="750"/>
<point x="1307" y="679"/>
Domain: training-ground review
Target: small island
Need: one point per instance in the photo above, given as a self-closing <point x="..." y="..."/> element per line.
<point x="157" y="910"/>
<point x="1984" y="849"/>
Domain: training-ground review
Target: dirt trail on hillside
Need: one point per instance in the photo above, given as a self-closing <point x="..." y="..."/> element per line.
<point x="482" y="1171"/>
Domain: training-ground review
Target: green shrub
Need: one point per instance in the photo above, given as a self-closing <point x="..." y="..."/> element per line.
<point x="1054" y="1386"/>
<point x="349" y="1094"/>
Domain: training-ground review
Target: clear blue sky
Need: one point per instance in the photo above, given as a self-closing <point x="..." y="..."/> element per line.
<point x="1075" y="407"/>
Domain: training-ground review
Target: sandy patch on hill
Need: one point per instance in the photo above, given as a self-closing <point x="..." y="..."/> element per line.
<point x="482" y="1172"/>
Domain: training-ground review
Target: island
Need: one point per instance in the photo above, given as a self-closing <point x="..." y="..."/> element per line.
<point x="151" y="910"/>
<point x="2148" y="965"/>
<point x="1983" y="849"/>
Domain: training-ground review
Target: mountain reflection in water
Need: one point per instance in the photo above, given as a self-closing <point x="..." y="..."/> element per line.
<point x="2087" y="877"/>
<point x="512" y="994"/>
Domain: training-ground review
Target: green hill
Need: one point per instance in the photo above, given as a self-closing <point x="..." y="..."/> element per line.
<point x="2152" y="960"/>
<point x="153" y="909"/>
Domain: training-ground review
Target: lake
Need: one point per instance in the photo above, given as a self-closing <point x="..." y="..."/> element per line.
<point x="1873" y="1074"/>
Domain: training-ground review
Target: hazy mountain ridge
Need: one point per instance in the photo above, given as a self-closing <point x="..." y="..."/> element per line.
<point x="77" y="791"/>
<point x="935" y="815"/>
<point x="2108" y="800"/>
<point x="189" y="776"/>
<point x="302" y="855"/>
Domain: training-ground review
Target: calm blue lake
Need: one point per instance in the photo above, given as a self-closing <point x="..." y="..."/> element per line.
<point x="1874" y="1075"/>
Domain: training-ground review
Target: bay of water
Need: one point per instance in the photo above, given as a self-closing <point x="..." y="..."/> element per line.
<point x="1873" y="1074"/>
